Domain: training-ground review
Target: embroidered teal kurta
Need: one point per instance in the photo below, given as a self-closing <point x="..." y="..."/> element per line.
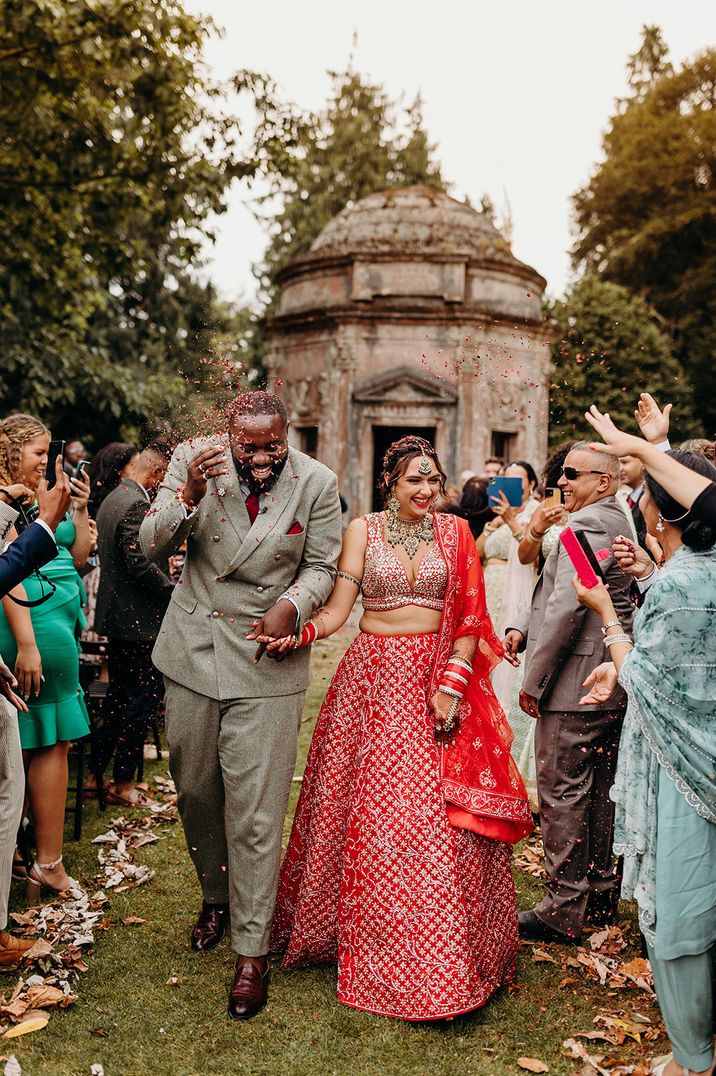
<point x="670" y="732"/>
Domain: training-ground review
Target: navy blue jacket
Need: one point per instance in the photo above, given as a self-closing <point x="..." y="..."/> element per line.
<point x="31" y="550"/>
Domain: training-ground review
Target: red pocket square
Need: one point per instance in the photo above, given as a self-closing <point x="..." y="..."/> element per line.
<point x="296" y="528"/>
<point x="603" y="554"/>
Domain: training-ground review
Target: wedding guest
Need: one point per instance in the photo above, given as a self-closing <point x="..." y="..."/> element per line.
<point x="132" y="599"/>
<point x="74" y="452"/>
<point x="691" y="490"/>
<point x="106" y="471"/>
<point x="576" y="751"/>
<point x="398" y="864"/>
<point x="702" y="446"/>
<point x="547" y="522"/>
<point x="665" y="792"/>
<point x="474" y="507"/>
<point x="41" y="641"/>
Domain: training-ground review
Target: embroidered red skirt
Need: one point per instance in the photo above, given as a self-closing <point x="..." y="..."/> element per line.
<point x="419" y="915"/>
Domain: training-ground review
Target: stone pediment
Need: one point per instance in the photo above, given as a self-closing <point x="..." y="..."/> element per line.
<point x="403" y="384"/>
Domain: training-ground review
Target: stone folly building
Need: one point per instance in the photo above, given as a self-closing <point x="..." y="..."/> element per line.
<point x="410" y="314"/>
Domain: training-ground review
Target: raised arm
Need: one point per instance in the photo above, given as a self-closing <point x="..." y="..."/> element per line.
<point x="679" y="482"/>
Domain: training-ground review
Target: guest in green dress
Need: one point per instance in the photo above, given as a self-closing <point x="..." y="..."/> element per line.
<point x="42" y="644"/>
<point x="665" y="788"/>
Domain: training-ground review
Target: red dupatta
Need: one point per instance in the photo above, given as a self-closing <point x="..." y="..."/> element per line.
<point x="481" y="783"/>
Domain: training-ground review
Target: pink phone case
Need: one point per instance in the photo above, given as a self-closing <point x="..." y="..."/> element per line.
<point x="587" y="576"/>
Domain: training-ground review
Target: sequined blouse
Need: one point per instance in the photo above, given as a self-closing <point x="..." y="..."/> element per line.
<point x="385" y="582"/>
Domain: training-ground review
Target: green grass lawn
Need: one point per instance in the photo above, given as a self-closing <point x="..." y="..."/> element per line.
<point x="132" y="1020"/>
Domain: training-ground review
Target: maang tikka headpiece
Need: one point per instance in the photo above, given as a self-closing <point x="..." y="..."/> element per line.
<point x="425" y="465"/>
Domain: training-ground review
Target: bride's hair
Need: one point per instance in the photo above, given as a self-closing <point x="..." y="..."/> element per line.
<point x="399" y="455"/>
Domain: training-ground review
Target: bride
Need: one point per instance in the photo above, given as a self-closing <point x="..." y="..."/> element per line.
<point x="398" y="864"/>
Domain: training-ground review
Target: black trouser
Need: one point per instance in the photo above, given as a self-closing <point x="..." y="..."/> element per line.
<point x="134" y="693"/>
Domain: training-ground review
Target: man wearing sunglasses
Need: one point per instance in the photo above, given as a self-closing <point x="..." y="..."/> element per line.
<point x="575" y="746"/>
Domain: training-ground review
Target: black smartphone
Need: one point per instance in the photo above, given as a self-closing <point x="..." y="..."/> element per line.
<point x="25" y="517"/>
<point x="81" y="467"/>
<point x="57" y="448"/>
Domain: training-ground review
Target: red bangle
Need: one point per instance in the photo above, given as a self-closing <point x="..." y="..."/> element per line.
<point x="307" y="636"/>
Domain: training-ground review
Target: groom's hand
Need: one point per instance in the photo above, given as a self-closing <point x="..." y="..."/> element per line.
<point x="279" y="621"/>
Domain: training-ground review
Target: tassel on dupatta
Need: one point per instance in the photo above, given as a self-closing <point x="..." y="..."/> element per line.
<point x="482" y="785"/>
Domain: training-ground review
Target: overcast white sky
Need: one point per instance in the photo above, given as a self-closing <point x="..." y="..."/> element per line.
<point x="516" y="94"/>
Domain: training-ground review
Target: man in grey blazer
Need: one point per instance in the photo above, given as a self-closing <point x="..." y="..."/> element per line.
<point x="575" y="746"/>
<point x="262" y="524"/>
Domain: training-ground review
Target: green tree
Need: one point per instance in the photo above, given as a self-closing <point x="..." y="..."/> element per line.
<point x="610" y="347"/>
<point x="647" y="217"/>
<point x="316" y="164"/>
<point x="113" y="154"/>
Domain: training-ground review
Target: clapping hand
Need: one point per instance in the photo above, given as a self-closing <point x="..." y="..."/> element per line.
<point x="631" y="558"/>
<point x="603" y="682"/>
<point x="653" y="422"/>
<point x="615" y="441"/>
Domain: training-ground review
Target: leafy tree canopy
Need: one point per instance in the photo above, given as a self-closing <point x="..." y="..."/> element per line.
<point x="113" y="154"/>
<point x="609" y="348"/>
<point x="647" y="217"/>
<point x="316" y="164"/>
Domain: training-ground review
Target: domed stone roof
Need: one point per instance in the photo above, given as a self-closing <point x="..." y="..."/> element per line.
<point x="412" y="220"/>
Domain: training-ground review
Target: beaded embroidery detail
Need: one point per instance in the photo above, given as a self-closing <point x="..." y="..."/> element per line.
<point x="385" y="583"/>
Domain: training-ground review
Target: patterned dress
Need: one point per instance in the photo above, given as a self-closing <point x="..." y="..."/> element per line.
<point x="418" y="914"/>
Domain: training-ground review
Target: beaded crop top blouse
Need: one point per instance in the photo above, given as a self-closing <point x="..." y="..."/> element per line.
<point x="385" y="582"/>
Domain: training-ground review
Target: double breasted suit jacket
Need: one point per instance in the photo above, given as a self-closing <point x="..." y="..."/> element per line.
<point x="564" y="639"/>
<point x="235" y="571"/>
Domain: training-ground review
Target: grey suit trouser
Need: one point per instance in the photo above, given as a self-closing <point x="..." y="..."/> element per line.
<point x="12" y="795"/>
<point x="576" y="761"/>
<point x="233" y="762"/>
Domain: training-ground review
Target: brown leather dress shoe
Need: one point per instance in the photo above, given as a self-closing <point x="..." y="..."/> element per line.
<point x="13" y="949"/>
<point x="210" y="927"/>
<point x="249" y="990"/>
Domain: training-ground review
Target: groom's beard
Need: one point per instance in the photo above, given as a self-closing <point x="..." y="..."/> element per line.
<point x="255" y="485"/>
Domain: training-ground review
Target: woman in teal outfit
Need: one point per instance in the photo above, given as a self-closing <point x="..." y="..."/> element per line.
<point x="665" y="788"/>
<point x="42" y="644"/>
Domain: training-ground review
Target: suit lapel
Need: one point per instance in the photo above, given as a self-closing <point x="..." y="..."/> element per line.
<point x="275" y="503"/>
<point x="231" y="500"/>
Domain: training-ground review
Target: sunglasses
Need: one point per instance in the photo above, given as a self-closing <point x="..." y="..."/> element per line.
<point x="570" y="473"/>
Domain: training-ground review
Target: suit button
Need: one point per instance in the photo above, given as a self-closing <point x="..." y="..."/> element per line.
<point x="260" y="590"/>
<point x="215" y="613"/>
<point x="215" y="538"/>
<point x="277" y="557"/>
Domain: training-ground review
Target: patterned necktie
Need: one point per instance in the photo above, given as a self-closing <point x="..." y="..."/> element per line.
<point x="252" y="506"/>
<point x="630" y="501"/>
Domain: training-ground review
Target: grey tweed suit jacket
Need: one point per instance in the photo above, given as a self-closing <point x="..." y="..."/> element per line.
<point x="235" y="572"/>
<point x="564" y="639"/>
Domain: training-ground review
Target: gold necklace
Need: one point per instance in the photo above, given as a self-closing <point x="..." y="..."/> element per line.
<point x="407" y="532"/>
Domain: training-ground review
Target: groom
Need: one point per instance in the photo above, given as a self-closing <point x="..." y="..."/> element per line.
<point x="262" y="523"/>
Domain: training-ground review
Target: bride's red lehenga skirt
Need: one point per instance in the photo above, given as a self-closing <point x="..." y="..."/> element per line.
<point x="419" y="915"/>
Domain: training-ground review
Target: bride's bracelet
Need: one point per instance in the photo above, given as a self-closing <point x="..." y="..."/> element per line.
<point x="307" y="636"/>
<point x="456" y="677"/>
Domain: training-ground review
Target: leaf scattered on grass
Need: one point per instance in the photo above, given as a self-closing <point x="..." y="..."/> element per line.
<point x="532" y="1064"/>
<point x="531" y="857"/>
<point x="28" y="1025"/>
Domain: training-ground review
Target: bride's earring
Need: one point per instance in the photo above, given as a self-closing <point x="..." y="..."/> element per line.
<point x="660" y="525"/>
<point x="393" y="505"/>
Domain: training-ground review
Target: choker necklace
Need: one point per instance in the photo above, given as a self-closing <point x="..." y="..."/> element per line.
<point x="406" y="532"/>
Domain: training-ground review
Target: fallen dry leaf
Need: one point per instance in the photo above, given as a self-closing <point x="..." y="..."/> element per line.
<point x="541" y="956"/>
<point x="133" y="921"/>
<point x="41" y="948"/>
<point x="532" y="1064"/>
<point x="26" y="1027"/>
<point x="43" y="996"/>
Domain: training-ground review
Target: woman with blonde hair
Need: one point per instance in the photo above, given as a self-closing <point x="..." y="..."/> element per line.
<point x="40" y="623"/>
